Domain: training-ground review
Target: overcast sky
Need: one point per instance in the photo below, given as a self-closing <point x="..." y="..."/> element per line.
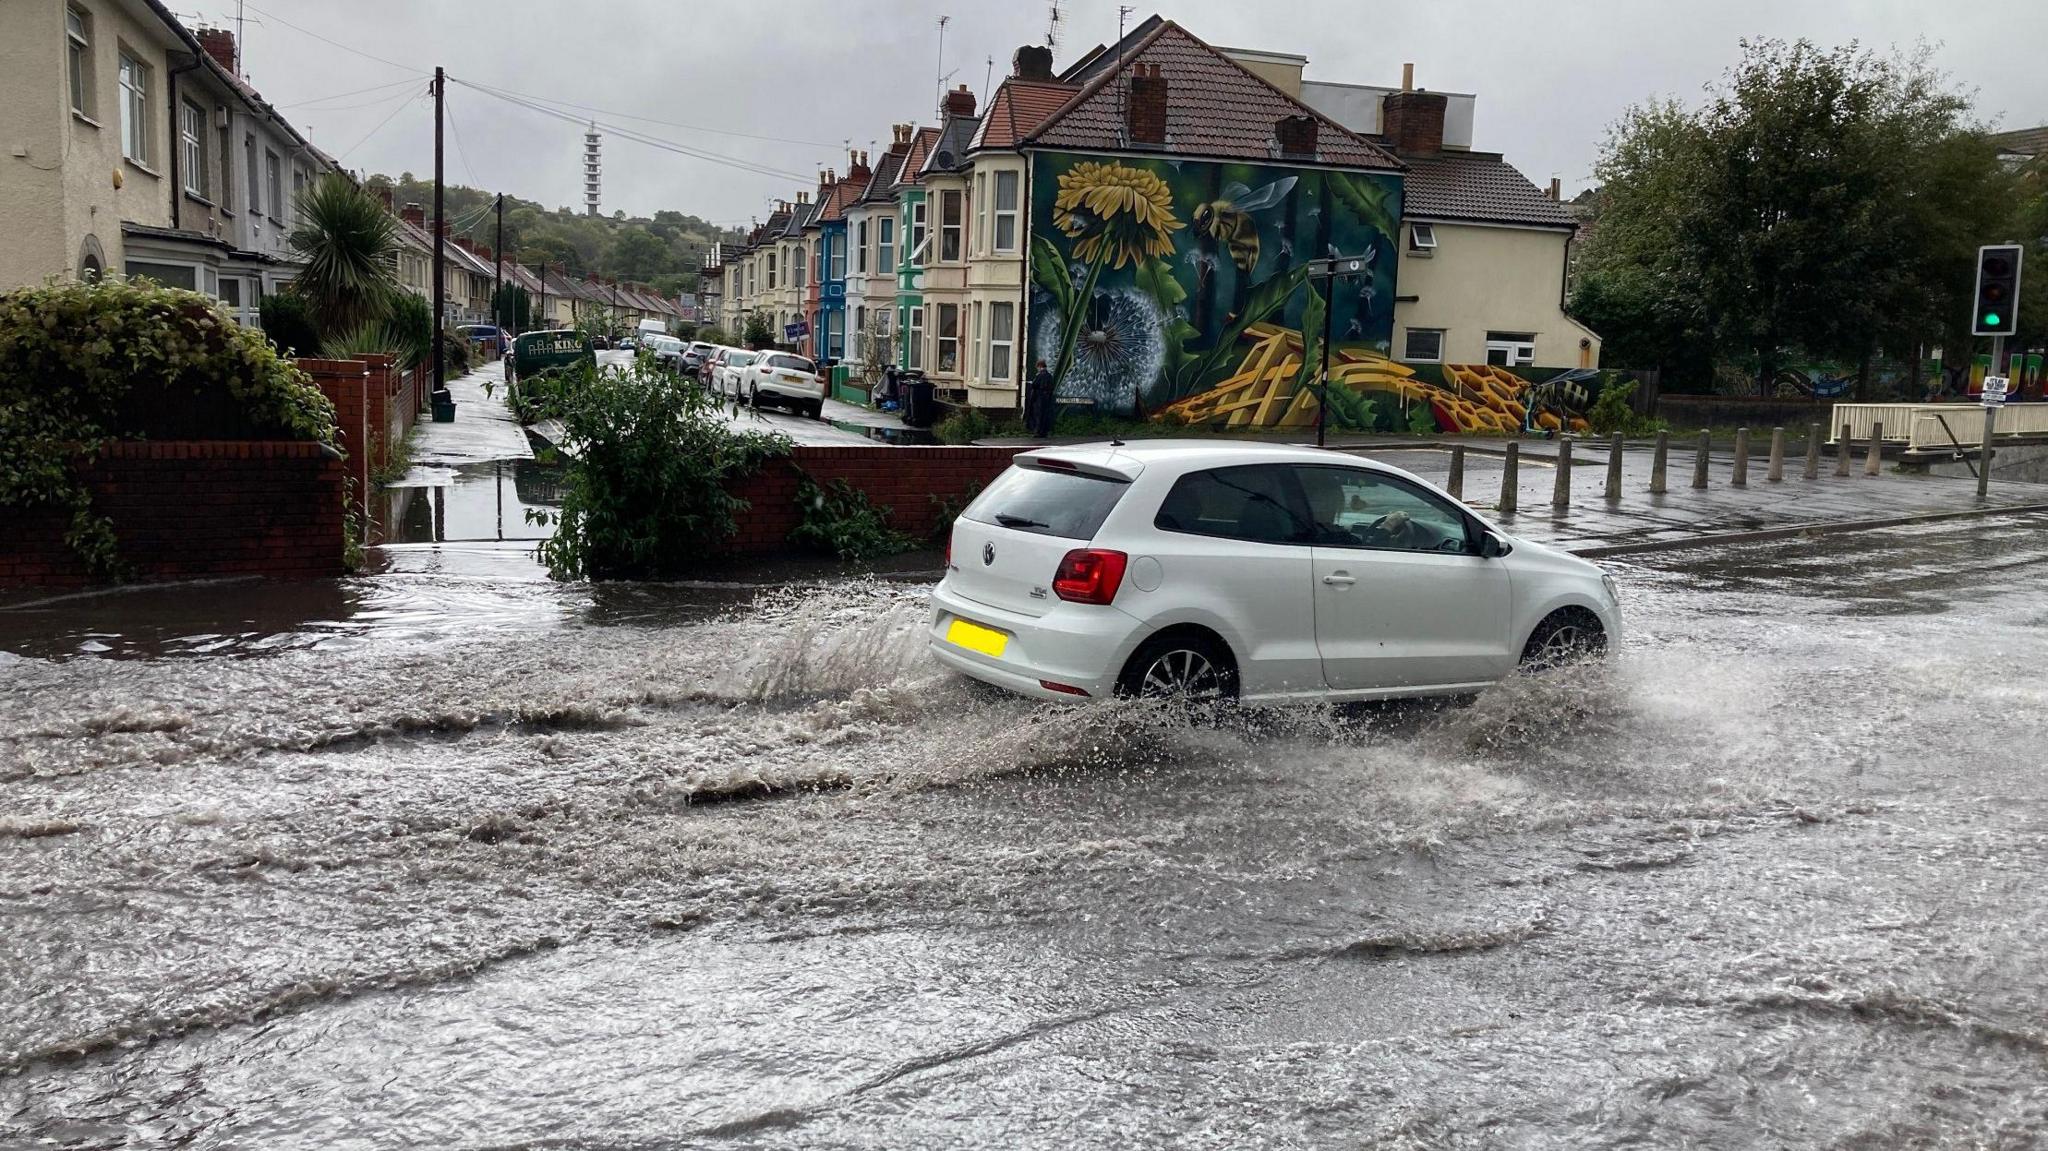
<point x="787" y="83"/>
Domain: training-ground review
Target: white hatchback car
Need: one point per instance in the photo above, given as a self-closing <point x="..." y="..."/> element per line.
<point x="1176" y="567"/>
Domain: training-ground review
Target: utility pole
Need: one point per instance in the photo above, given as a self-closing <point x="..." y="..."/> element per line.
<point x="440" y="247"/>
<point x="543" y="278"/>
<point x="498" y="270"/>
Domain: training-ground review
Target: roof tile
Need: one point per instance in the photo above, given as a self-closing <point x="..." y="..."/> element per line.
<point x="1477" y="186"/>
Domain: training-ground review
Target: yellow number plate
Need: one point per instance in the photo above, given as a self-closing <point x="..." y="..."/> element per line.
<point x="975" y="637"/>
<point x="787" y="378"/>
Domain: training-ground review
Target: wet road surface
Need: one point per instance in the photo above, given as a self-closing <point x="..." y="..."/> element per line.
<point x="483" y="862"/>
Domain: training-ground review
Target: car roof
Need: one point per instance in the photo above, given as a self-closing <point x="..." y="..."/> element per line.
<point x="1178" y="456"/>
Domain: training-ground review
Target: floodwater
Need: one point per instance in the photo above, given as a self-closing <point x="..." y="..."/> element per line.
<point x="456" y="859"/>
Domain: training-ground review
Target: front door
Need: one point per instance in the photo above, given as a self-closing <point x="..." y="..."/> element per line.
<point x="1402" y="597"/>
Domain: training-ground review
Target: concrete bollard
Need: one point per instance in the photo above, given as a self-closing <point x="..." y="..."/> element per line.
<point x="1740" y="478"/>
<point x="1614" y="466"/>
<point x="1509" y="480"/>
<point x="1456" y="483"/>
<point x="1658" y="460"/>
<point x="1875" y="460"/>
<point x="1812" y="451"/>
<point x="1842" y="452"/>
<point x="1699" y="459"/>
<point x="1776" y="474"/>
<point x="1561" y="490"/>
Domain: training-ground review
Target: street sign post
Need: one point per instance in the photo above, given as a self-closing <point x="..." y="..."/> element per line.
<point x="1327" y="271"/>
<point x="1994" y="399"/>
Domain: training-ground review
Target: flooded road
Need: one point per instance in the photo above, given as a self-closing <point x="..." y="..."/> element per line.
<point x="455" y="859"/>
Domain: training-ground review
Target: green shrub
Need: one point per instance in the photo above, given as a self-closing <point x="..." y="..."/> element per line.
<point x="964" y="426"/>
<point x="1611" y="412"/>
<point x="412" y="322"/>
<point x="840" y="520"/>
<point x="84" y="363"/>
<point x="288" y="321"/>
<point x="456" y="354"/>
<point x="644" y="491"/>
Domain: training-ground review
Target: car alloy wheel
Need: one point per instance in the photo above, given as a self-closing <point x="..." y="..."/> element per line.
<point x="1181" y="674"/>
<point x="1564" y="638"/>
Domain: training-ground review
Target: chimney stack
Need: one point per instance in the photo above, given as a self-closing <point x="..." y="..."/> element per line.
<point x="219" y="43"/>
<point x="414" y="215"/>
<point x="1032" y="62"/>
<point x="1407" y="77"/>
<point x="1554" y="189"/>
<point x="899" y="143"/>
<point x="959" y="102"/>
<point x="1413" y="122"/>
<point x="1296" y="135"/>
<point x="1145" y="112"/>
<point x="384" y="197"/>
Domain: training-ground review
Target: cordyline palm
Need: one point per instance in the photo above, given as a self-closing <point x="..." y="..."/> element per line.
<point x="350" y="244"/>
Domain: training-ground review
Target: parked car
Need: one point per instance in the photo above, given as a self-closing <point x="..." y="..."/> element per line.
<point x="668" y="352"/>
<point x="536" y="354"/>
<point x="487" y="336"/>
<point x="629" y="344"/>
<point x="726" y="369"/>
<point x="706" y="368"/>
<point x="786" y="379"/>
<point x="694" y="355"/>
<point x="1219" y="571"/>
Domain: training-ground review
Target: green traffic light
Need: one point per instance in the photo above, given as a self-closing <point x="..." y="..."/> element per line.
<point x="1991" y="319"/>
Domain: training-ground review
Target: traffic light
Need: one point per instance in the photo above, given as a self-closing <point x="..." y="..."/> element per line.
<point x="1998" y="291"/>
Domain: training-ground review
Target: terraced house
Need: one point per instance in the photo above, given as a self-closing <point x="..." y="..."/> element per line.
<point x="138" y="148"/>
<point x="871" y="274"/>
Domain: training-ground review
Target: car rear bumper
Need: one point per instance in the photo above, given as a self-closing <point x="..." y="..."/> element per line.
<point x="1073" y="645"/>
<point x="790" y="391"/>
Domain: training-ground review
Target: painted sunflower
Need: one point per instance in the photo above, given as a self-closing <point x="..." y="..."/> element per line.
<point x="1115" y="212"/>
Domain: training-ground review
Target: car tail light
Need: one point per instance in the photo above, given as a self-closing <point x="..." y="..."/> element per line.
<point x="1089" y="575"/>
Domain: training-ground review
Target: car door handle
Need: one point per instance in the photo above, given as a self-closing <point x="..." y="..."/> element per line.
<point x="1340" y="579"/>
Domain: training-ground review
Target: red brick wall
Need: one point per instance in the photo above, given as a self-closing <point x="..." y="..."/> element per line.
<point x="348" y="385"/>
<point x="906" y="481"/>
<point x="188" y="508"/>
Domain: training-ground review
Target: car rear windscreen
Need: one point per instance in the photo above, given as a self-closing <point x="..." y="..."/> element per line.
<point x="792" y="363"/>
<point x="1066" y="504"/>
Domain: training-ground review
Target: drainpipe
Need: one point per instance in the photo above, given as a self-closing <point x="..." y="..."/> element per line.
<point x="1020" y="347"/>
<point x="177" y="141"/>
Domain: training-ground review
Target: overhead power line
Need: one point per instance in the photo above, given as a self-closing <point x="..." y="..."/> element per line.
<point x="406" y="101"/>
<point x="345" y="95"/>
<point x="336" y="43"/>
<point x="586" y="108"/>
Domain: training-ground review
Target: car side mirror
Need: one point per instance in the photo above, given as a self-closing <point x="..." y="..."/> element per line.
<point x="1493" y="544"/>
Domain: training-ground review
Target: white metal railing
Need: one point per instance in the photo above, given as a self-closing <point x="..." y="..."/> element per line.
<point x="1860" y="419"/>
<point x="1938" y="426"/>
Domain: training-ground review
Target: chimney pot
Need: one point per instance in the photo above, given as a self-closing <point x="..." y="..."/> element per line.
<point x="1554" y="189"/>
<point x="1407" y="77"/>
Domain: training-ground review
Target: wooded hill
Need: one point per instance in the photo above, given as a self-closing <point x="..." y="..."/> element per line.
<point x="664" y="251"/>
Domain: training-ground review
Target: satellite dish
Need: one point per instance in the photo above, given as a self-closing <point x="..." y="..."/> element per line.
<point x="943" y="158"/>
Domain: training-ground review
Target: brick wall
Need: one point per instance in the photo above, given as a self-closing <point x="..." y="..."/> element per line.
<point x="347" y="384"/>
<point x="188" y="508"/>
<point x="906" y="481"/>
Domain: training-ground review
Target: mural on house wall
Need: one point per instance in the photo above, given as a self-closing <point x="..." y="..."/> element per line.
<point x="1270" y="386"/>
<point x="1154" y="279"/>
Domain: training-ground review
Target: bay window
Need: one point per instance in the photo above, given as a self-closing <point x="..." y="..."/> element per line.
<point x="949" y="339"/>
<point x="1001" y="326"/>
<point x="1006" y="208"/>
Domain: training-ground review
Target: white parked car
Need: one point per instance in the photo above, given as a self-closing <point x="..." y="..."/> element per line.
<point x="787" y="379"/>
<point x="726" y="366"/>
<point x="1207" y="570"/>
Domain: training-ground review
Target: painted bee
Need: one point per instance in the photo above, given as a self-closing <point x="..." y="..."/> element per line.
<point x="1230" y="221"/>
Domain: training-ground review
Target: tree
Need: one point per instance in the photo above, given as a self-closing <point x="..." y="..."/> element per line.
<point x="512" y="307"/>
<point x="349" y="244"/>
<point x="758" y="332"/>
<point x="1820" y="202"/>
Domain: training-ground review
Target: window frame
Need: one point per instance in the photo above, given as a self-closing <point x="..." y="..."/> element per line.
<point x="836" y="246"/>
<point x="1473" y="531"/>
<point x="78" y="60"/>
<point x="135" y="112"/>
<point x="273" y="185"/>
<point x="980" y="245"/>
<point x="1008" y="344"/>
<point x="1296" y="506"/>
<point x="940" y="340"/>
<point x="860" y="247"/>
<point x="192" y="133"/>
<point x="1009" y="215"/>
<point x="920" y="233"/>
<point x="771" y="269"/>
<point x="914" y="332"/>
<point x="952" y="201"/>
<point x="885" y="245"/>
<point x="1517" y="348"/>
<point x="1421" y="239"/>
<point x="1407" y="345"/>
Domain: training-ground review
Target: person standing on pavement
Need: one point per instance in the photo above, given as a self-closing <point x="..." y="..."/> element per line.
<point x="1038" y="406"/>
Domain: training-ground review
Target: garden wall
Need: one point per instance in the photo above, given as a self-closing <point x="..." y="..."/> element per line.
<point x="1688" y="412"/>
<point x="194" y="508"/>
<point x="910" y="482"/>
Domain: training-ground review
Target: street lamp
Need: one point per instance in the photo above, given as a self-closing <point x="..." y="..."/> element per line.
<point x="1329" y="271"/>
